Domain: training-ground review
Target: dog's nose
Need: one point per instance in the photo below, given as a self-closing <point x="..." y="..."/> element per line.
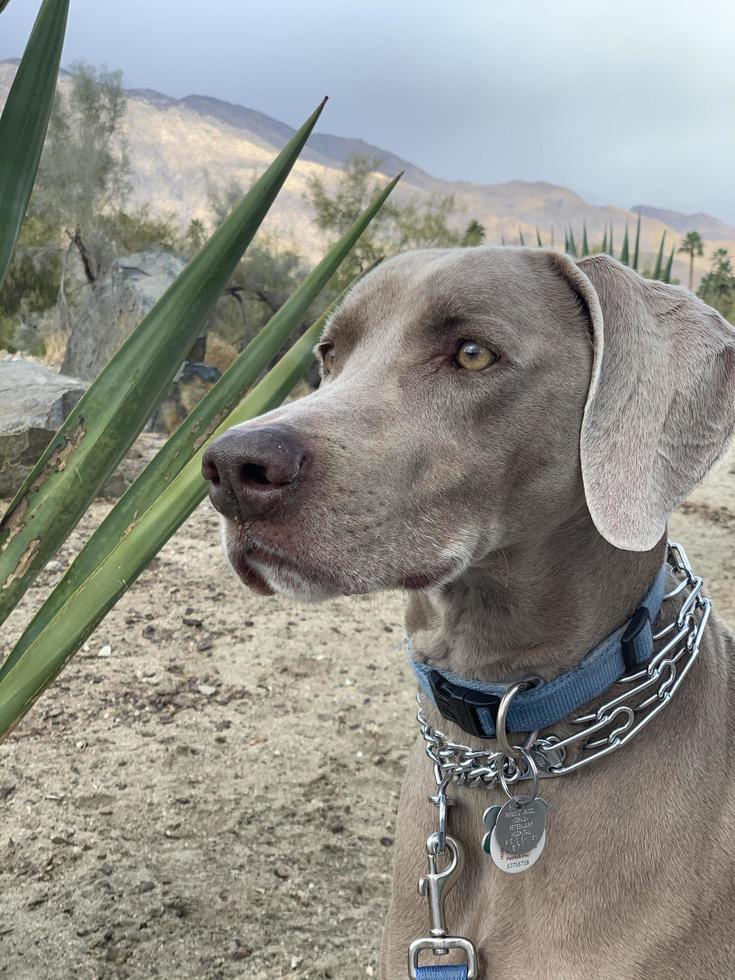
<point x="249" y="470"/>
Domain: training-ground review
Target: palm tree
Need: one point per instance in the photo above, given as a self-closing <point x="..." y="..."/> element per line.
<point x="691" y="246"/>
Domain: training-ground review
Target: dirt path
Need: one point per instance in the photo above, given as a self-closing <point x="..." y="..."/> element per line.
<point x="209" y="790"/>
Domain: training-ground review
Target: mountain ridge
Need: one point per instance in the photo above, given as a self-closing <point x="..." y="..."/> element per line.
<point x="180" y="148"/>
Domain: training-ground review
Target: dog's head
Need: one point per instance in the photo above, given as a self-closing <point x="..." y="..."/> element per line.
<point x="473" y="399"/>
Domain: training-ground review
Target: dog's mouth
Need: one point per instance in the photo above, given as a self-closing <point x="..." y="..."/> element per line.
<point x="267" y="569"/>
<point x="249" y="575"/>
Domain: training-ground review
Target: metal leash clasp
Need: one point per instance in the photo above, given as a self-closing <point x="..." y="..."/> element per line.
<point x="434" y="886"/>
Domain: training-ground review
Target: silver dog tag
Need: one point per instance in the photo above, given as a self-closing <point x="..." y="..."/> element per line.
<point x="520" y="824"/>
<point x="513" y="864"/>
<point x="515" y="840"/>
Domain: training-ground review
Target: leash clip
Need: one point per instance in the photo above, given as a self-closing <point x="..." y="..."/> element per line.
<point x="434" y="886"/>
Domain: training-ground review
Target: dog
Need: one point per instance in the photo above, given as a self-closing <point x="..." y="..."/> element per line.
<point x="503" y="433"/>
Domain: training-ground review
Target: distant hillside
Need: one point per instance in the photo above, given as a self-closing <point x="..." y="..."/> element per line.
<point x="708" y="227"/>
<point x="181" y="147"/>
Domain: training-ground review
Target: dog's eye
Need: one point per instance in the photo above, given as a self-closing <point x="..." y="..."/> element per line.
<point x="473" y="356"/>
<point x="327" y="354"/>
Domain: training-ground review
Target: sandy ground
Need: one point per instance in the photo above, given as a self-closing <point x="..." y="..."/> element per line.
<point x="209" y="789"/>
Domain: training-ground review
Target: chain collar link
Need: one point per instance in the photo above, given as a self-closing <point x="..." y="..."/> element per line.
<point x="642" y="695"/>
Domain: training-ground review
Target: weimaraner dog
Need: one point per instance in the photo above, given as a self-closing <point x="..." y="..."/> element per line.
<point x="503" y="432"/>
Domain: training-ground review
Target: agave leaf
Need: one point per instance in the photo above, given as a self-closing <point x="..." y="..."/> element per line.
<point x="572" y="245"/>
<point x="539" y="243"/>
<point x="102" y="426"/>
<point x="659" y="258"/>
<point x="624" y="256"/>
<point x="585" y="243"/>
<point x="29" y="674"/>
<point x="612" y="247"/>
<point x="521" y="240"/>
<point x="669" y="266"/>
<point x="637" y="247"/>
<point x="3" y="5"/>
<point x="25" y="119"/>
<point x="604" y="242"/>
<point x="198" y="426"/>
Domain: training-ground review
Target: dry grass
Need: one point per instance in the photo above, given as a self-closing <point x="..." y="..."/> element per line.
<point x="55" y="348"/>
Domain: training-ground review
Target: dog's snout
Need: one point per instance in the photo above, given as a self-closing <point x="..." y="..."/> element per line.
<point x="249" y="469"/>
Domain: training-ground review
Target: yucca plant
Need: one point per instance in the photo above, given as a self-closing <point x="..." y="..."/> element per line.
<point x="585" y="243"/>
<point x="658" y="268"/>
<point x="625" y="250"/>
<point x="661" y="271"/>
<point x="115" y="408"/>
<point x="669" y="265"/>
<point x="637" y="246"/>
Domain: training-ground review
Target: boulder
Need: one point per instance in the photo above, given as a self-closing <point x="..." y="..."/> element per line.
<point x="34" y="401"/>
<point x="114" y="306"/>
<point x="191" y="385"/>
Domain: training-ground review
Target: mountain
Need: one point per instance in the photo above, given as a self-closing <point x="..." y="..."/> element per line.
<point x="180" y="148"/>
<point x="711" y="229"/>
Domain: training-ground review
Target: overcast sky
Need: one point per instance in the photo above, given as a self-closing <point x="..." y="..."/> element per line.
<point x="624" y="101"/>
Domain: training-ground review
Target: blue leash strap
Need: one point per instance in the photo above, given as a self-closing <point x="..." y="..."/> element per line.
<point x="434" y="972"/>
<point x="473" y="704"/>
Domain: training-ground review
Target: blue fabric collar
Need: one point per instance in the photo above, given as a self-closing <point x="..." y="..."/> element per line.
<point x="626" y="649"/>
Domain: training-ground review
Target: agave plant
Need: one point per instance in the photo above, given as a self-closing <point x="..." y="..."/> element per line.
<point x="103" y="425"/>
<point x="662" y="271"/>
<point x="637" y="246"/>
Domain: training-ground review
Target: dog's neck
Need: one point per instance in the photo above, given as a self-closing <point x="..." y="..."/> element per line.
<point x="532" y="608"/>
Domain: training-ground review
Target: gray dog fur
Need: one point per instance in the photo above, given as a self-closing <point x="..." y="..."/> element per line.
<point x="525" y="508"/>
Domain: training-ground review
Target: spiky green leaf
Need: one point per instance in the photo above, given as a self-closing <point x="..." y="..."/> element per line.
<point x="669" y="266"/>
<point x="659" y="258"/>
<point x="25" y="119"/>
<point x="198" y="426"/>
<point x="585" y="243"/>
<point x="24" y="679"/>
<point x="637" y="249"/>
<point x="624" y="251"/>
<point x="103" y="425"/>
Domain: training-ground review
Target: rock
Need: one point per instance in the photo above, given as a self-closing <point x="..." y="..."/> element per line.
<point x="191" y="385"/>
<point x="241" y="953"/>
<point x="206" y="689"/>
<point x="139" y="455"/>
<point x="34" y="401"/>
<point x="119" y="301"/>
<point x="105" y="651"/>
<point x="107" y="315"/>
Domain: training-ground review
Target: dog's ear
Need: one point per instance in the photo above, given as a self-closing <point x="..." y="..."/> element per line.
<point x="660" y="409"/>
